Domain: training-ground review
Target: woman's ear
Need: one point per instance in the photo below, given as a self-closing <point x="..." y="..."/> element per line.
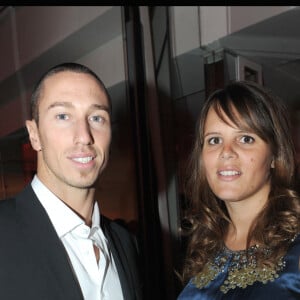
<point x="33" y="135"/>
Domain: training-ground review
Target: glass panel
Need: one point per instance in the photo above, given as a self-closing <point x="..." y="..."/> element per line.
<point x="17" y="163"/>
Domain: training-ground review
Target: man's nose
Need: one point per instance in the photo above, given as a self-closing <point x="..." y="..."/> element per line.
<point x="83" y="134"/>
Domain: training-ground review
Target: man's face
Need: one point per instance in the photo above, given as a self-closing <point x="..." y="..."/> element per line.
<point x="74" y="131"/>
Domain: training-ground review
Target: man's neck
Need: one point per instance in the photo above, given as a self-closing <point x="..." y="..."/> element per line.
<point x="80" y="200"/>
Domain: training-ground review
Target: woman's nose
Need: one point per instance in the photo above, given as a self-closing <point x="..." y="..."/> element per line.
<point x="227" y="152"/>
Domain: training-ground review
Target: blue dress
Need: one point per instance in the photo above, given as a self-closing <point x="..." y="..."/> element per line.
<point x="233" y="276"/>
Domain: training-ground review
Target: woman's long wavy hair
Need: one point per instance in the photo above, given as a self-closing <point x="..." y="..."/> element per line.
<point x="251" y="108"/>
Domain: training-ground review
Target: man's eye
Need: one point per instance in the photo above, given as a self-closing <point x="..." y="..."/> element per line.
<point x="98" y="119"/>
<point x="214" y="141"/>
<point x="62" y="117"/>
<point x="246" y="139"/>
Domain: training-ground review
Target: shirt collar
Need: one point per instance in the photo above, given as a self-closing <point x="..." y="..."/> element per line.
<point x="62" y="217"/>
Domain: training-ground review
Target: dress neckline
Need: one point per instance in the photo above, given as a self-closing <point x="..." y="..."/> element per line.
<point x="242" y="251"/>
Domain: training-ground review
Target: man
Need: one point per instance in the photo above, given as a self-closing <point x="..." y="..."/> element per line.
<point x="54" y="243"/>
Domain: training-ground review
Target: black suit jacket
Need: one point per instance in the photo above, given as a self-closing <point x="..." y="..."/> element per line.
<point x="34" y="264"/>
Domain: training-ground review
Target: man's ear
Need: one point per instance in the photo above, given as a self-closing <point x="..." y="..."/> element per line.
<point x="33" y="135"/>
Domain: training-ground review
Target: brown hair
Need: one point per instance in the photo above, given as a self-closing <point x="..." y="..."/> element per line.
<point x="254" y="108"/>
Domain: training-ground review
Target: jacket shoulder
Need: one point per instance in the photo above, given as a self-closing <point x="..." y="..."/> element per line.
<point x="119" y="235"/>
<point x="7" y="210"/>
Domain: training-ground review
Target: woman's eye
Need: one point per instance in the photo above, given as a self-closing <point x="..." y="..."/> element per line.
<point x="62" y="117"/>
<point x="214" y="141"/>
<point x="246" y="139"/>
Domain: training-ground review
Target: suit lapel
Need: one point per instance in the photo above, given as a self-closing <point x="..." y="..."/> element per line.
<point x="46" y="255"/>
<point x="120" y="259"/>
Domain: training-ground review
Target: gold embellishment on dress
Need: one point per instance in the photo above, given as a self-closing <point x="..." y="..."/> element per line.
<point x="242" y="269"/>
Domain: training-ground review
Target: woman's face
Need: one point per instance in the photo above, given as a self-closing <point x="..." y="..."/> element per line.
<point x="236" y="163"/>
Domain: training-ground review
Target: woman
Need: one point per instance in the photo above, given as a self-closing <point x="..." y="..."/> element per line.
<point x="244" y="215"/>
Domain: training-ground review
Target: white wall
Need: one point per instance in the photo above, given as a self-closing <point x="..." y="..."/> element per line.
<point x="33" y="38"/>
<point x="32" y="30"/>
<point x="198" y="26"/>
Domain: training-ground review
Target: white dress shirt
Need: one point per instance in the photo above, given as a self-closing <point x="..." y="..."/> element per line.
<point x="97" y="280"/>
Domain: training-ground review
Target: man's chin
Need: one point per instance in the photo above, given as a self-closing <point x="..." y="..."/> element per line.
<point x="84" y="183"/>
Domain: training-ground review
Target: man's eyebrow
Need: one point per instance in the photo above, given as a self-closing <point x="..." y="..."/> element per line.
<point x="101" y="107"/>
<point x="58" y="104"/>
<point x="69" y="105"/>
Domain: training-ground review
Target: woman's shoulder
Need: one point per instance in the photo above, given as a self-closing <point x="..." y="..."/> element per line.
<point x="295" y="243"/>
<point x="294" y="249"/>
<point x="296" y="239"/>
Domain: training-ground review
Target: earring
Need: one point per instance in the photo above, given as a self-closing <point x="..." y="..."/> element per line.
<point x="273" y="164"/>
